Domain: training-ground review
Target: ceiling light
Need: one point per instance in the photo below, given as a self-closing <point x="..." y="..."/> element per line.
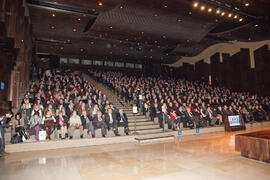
<point x="61" y="48"/>
<point x="79" y="19"/>
<point x="189" y="12"/>
<point x="110" y="27"/>
<point x="121" y="7"/>
<point x="179" y="19"/>
<point x="164" y="37"/>
<point x="209" y="10"/>
<point x="195" y="4"/>
<point x="230" y="15"/>
<point x="202" y="8"/>
<point x="256" y="25"/>
<point x="81" y="49"/>
<point x="74" y="30"/>
<point x="53" y="15"/>
<point x="247" y="4"/>
<point x="165" y="6"/>
<point x="223" y="13"/>
<point x="218" y="11"/>
<point x="241" y="19"/>
<point x="68" y="40"/>
<point x="155" y="15"/>
<point x="142" y="32"/>
<point x="100" y="3"/>
<point x="156" y="41"/>
<point x="52" y="27"/>
<point x="235" y="17"/>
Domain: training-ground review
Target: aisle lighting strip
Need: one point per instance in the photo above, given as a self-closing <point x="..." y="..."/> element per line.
<point x="217" y="11"/>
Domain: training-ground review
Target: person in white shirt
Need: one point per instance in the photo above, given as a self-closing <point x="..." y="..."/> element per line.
<point x="75" y="123"/>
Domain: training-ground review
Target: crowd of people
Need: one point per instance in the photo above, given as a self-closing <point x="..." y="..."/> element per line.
<point x="59" y="102"/>
<point x="179" y="101"/>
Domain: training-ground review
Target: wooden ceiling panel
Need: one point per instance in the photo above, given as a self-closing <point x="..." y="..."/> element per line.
<point x="139" y="30"/>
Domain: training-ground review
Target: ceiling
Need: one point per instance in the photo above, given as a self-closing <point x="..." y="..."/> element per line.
<point x="142" y="30"/>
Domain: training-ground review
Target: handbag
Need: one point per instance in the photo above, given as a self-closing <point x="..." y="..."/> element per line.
<point x="42" y="135"/>
<point x="15" y="139"/>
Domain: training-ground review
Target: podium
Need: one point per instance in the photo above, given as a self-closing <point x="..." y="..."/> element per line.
<point x="234" y="123"/>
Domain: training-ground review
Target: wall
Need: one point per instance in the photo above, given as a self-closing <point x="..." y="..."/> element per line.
<point x="16" y="52"/>
<point x="235" y="72"/>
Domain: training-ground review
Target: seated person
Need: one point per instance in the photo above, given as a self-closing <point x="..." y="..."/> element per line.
<point x="211" y="116"/>
<point x="99" y="122"/>
<point x="176" y="118"/>
<point x="111" y="121"/>
<point x="87" y="123"/>
<point x="123" y="120"/>
<point x="61" y="124"/>
<point x="75" y="123"/>
<point x="49" y="124"/>
<point x="35" y="125"/>
<point x="19" y="127"/>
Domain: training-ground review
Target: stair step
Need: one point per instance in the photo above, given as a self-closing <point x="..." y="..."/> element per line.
<point x="143" y="123"/>
<point x="155" y="139"/>
<point x="149" y="127"/>
<point x="149" y="131"/>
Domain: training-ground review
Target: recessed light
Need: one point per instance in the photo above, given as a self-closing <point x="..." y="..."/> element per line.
<point x="100" y="3"/>
<point x="81" y="49"/>
<point x="209" y="10"/>
<point x="195" y="4"/>
<point x="121" y="7"/>
<point x="230" y="15"/>
<point x="62" y="48"/>
<point x="74" y="30"/>
<point x="247" y="4"/>
<point x="256" y="25"/>
<point x="164" y="36"/>
<point x="53" y="15"/>
<point x="218" y="11"/>
<point x="202" y="8"/>
<point x="241" y="19"/>
<point x="223" y="13"/>
<point x="79" y="19"/>
<point x="52" y="27"/>
<point x="155" y="14"/>
<point x="235" y="17"/>
<point x="179" y="19"/>
<point x="156" y="41"/>
<point x="165" y="6"/>
<point x="142" y="32"/>
<point x="110" y="27"/>
<point x="189" y="12"/>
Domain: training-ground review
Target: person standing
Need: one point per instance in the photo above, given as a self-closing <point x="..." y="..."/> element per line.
<point x="4" y="124"/>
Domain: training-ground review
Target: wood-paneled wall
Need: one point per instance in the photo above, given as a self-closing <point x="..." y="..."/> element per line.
<point x="16" y="52"/>
<point x="233" y="72"/>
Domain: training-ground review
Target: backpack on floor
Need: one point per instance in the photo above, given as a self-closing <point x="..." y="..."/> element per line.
<point x="15" y="139"/>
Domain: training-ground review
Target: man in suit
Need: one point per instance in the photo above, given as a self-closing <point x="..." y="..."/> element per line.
<point x="99" y="122"/>
<point x="4" y="124"/>
<point x="123" y="120"/>
<point x="155" y="111"/>
<point x="111" y="121"/>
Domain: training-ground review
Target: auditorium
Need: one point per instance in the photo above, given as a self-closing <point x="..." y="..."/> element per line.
<point x="134" y="89"/>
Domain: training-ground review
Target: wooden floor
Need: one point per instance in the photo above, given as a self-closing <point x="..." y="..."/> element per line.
<point x="209" y="156"/>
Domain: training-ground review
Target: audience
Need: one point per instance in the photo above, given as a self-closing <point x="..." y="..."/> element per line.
<point x="61" y="102"/>
<point x="192" y="103"/>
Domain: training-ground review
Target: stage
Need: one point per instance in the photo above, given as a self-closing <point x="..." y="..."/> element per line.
<point x="203" y="156"/>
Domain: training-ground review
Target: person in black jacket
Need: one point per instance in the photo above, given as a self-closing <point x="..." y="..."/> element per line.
<point x="4" y="124"/>
<point x="62" y="124"/>
<point x="111" y="121"/>
<point x="123" y="120"/>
